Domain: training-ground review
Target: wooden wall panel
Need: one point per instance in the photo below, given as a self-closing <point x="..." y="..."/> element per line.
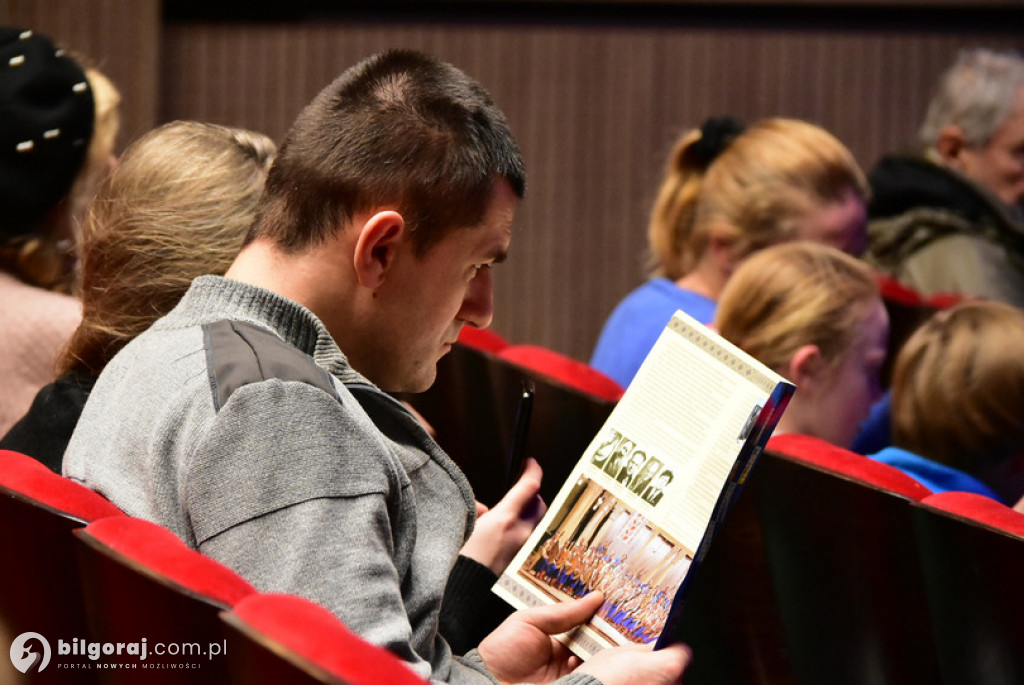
<point x="595" y="107"/>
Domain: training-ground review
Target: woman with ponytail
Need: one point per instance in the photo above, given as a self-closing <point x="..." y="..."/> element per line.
<point x="728" y="192"/>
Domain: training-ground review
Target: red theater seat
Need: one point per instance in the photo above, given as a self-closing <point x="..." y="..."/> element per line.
<point x="571" y="372"/>
<point x="39" y="582"/>
<point x="142" y="581"/>
<point x="842" y="548"/>
<point x="850" y="464"/>
<point x="482" y="339"/>
<point x="29" y="481"/>
<point x="287" y="639"/>
<point x="907" y="309"/>
<point x="972" y="550"/>
<point x="979" y="508"/>
<point x="472" y="406"/>
<point x="895" y="291"/>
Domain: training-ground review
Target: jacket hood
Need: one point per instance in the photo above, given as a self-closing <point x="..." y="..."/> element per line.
<point x="900" y="183"/>
<point x="914" y="201"/>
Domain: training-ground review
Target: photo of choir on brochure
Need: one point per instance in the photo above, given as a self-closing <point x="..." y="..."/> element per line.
<point x="596" y="542"/>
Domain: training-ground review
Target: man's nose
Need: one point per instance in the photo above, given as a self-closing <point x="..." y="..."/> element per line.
<point x="478" y="304"/>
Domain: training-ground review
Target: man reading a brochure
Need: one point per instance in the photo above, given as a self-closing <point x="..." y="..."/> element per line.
<point x="256" y="421"/>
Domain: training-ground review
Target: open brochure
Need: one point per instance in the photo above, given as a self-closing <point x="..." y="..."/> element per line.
<point x="638" y="511"/>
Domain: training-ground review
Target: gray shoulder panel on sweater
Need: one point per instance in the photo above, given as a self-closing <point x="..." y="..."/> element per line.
<point x="239" y="353"/>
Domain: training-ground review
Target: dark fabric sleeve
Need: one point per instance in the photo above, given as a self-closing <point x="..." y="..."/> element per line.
<point x="469" y="610"/>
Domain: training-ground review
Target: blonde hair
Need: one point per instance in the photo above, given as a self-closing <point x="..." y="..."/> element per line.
<point x="795" y="294"/>
<point x="757" y="190"/>
<point x="101" y="146"/>
<point x="958" y="386"/>
<point x="176" y="207"/>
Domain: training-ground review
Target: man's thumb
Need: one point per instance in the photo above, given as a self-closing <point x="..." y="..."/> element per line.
<point x="558" y="618"/>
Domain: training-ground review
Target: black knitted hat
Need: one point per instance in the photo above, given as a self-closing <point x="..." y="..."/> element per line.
<point x="46" y="122"/>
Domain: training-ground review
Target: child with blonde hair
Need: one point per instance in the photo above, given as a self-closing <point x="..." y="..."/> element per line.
<point x="957" y="393"/>
<point x="814" y="315"/>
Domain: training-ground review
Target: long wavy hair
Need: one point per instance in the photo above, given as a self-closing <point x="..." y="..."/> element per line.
<point x="178" y="206"/>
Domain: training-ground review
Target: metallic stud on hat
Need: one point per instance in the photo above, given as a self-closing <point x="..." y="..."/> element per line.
<point x="25" y="146"/>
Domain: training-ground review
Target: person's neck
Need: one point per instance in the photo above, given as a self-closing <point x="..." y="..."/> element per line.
<point x="704" y="280"/>
<point x="309" y="278"/>
<point x="264" y="266"/>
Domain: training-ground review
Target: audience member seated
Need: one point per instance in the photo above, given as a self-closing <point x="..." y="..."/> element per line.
<point x="725" y="195"/>
<point x="814" y="315"/>
<point x="257" y="419"/>
<point x="178" y="206"/>
<point x="958" y="386"/>
<point x="948" y="217"/>
<point x="56" y="142"/>
<point x="145" y="239"/>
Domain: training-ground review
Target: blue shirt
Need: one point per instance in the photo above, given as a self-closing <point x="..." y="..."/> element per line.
<point x="876" y="431"/>
<point x="933" y="475"/>
<point x="635" y="324"/>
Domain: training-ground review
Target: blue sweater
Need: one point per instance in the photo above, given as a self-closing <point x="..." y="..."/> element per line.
<point x="635" y="324"/>
<point x="933" y="475"/>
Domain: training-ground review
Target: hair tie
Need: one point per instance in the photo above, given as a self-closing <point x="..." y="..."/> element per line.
<point x="716" y="134"/>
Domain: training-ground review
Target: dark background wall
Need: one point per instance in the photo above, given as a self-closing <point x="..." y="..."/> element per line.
<point x="595" y="91"/>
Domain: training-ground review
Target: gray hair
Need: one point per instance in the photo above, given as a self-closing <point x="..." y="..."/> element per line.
<point x="977" y="94"/>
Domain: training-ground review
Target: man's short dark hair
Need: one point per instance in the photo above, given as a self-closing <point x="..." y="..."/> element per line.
<point x="399" y="129"/>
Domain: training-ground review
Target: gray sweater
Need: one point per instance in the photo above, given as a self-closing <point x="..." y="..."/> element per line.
<point x="318" y="485"/>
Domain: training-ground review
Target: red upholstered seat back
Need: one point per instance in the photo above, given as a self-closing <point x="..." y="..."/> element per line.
<point x="39" y="581"/>
<point x="971" y="552"/>
<point x="292" y="626"/>
<point x="569" y="371"/>
<point x="893" y="290"/>
<point x="979" y="508"/>
<point x="28" y="478"/>
<point x="840" y="537"/>
<point x="160" y="552"/>
<point x="824" y="454"/>
<point x="482" y="339"/>
<point x="142" y="581"/>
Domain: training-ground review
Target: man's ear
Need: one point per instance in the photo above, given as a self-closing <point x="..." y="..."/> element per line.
<point x="805" y="366"/>
<point x="950" y="145"/>
<point x="377" y="246"/>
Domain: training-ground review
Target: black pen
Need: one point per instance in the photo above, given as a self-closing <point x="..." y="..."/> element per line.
<point x="517" y="454"/>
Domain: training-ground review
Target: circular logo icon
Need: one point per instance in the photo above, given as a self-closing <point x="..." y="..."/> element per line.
<point x="30" y="652"/>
